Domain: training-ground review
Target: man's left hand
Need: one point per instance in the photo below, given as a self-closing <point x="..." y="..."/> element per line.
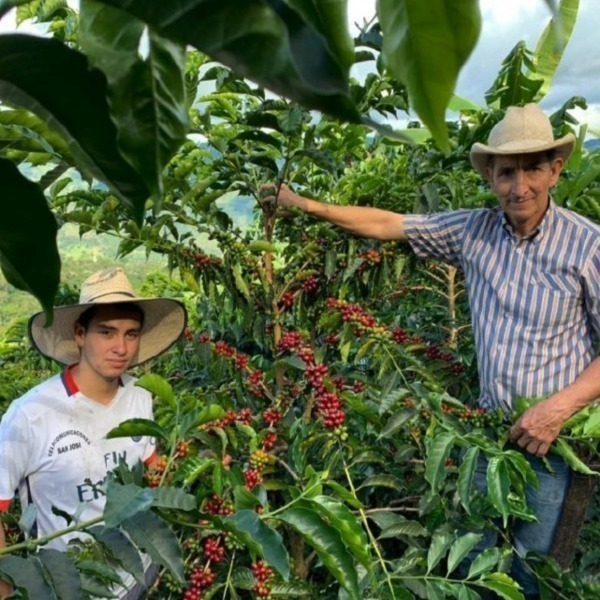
<point x="538" y="427"/>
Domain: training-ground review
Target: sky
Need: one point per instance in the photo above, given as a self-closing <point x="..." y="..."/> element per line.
<point x="506" y="22"/>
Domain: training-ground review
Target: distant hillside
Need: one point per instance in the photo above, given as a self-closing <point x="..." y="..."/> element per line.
<point x="592" y="145"/>
<point x="82" y="256"/>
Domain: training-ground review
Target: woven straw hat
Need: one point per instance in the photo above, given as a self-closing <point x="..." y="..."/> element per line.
<point x="164" y="319"/>
<point x="523" y="130"/>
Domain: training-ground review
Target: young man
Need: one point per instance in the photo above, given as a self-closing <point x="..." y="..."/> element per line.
<point x="52" y="440"/>
<point x="533" y="275"/>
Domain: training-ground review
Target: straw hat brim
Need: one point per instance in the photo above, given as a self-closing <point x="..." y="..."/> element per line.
<point x="164" y="321"/>
<point x="480" y="153"/>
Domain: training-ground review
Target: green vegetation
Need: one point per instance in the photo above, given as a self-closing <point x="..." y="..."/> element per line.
<point x="312" y="422"/>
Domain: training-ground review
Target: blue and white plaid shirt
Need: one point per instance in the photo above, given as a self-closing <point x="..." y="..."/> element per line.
<point x="535" y="301"/>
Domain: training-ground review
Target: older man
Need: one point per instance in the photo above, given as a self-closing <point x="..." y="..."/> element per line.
<point x="533" y="274"/>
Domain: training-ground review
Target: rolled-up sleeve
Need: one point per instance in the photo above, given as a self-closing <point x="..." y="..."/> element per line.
<point x="14" y="454"/>
<point x="438" y="236"/>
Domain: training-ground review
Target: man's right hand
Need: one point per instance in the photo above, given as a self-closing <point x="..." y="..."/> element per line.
<point x="283" y="197"/>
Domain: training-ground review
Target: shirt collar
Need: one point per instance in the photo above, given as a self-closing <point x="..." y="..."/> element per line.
<point x="69" y="381"/>
<point x="538" y="233"/>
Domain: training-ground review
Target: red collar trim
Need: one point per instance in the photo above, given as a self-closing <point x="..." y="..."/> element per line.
<point x="69" y="381"/>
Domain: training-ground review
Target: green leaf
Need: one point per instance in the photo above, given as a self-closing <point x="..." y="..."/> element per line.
<point x="591" y="426"/>
<point x="435" y="464"/>
<point x="8" y="5"/>
<point x="486" y="561"/>
<point x="63" y="574"/>
<point x="190" y="469"/>
<point x="124" y="501"/>
<point x="146" y="94"/>
<point x="244" y="499"/>
<point x="327" y="543"/>
<point x="56" y="83"/>
<point x="268" y="42"/>
<point x="564" y="450"/>
<point x="240" y="283"/>
<point x="138" y="427"/>
<point x="425" y="44"/>
<point x="395" y="422"/>
<point x="153" y="536"/>
<point x="461" y="547"/>
<point x="349" y="527"/>
<point x="121" y="549"/>
<point x="498" y="483"/>
<point x="26" y="574"/>
<point x="157" y="386"/>
<point x="330" y="18"/>
<point x="387" y="481"/>
<point x="466" y="472"/>
<point x="552" y="43"/>
<point x="23" y="127"/>
<point x="173" y="498"/>
<point x="100" y="570"/>
<point x="212" y="412"/>
<point x="440" y="542"/>
<point x="28" y="251"/>
<point x="503" y="585"/>
<point x="261" y="246"/>
<point x="393" y="525"/>
<point x="344" y="494"/>
<point x="249" y="528"/>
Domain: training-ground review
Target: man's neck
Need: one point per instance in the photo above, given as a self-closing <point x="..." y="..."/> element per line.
<point x="94" y="386"/>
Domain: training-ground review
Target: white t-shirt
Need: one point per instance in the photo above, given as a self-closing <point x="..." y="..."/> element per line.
<point x="53" y="449"/>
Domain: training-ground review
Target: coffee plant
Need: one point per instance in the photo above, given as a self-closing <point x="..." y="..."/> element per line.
<point x="318" y="426"/>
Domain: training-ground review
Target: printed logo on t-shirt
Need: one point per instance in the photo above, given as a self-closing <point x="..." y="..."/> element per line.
<point x="67" y="441"/>
<point x="89" y="491"/>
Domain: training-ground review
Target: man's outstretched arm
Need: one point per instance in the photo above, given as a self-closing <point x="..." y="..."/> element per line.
<point x="363" y="221"/>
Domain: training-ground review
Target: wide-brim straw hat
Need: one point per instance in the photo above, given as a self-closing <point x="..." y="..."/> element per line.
<point x="164" y="319"/>
<point x="523" y="130"/>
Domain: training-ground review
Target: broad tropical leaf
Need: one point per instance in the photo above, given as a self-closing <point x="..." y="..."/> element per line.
<point x="56" y="83"/>
<point x="146" y="93"/>
<point x="552" y="43"/>
<point x="28" y="251"/>
<point x="268" y="42"/>
<point x="425" y="44"/>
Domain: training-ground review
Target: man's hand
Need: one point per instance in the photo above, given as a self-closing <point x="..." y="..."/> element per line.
<point x="539" y="426"/>
<point x="284" y="197"/>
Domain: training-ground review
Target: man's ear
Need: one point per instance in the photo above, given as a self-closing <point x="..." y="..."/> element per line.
<point x="79" y="334"/>
<point x="556" y="167"/>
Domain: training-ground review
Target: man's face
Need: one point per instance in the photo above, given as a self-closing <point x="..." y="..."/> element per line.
<point x="522" y="183"/>
<point x="110" y="342"/>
